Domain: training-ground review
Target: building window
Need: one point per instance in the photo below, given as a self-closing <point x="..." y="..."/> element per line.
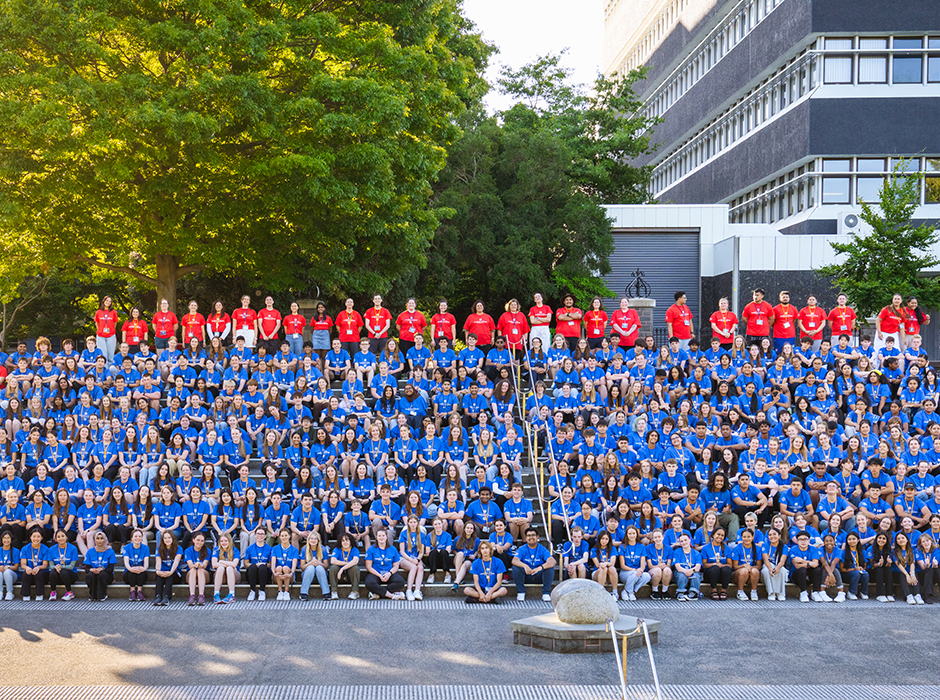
<point x="837" y="165"/>
<point x="873" y="69"/>
<point x="907" y="67"/>
<point x="836" y="190"/>
<point x="870" y="165"/>
<point x="933" y="61"/>
<point x="932" y="182"/>
<point x="868" y="189"/>
<point x="838" y="69"/>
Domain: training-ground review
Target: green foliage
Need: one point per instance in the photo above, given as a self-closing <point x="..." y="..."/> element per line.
<point x="892" y="257"/>
<point x="526" y="186"/>
<point x="161" y="139"/>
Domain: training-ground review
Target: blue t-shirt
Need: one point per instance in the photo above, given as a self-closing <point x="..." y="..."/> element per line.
<point x="382" y="559"/>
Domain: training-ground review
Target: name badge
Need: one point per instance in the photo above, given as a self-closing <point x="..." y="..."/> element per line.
<point x="760" y="322"/>
<point x="786" y="325"/>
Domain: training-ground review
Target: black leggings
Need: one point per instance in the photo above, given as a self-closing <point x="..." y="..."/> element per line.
<point x="719" y="576"/>
<point x="906" y="588"/>
<point x="66" y="578"/>
<point x="118" y="533"/>
<point x="882" y="576"/>
<point x="438" y="559"/>
<point x="258" y="576"/>
<point x="807" y="577"/>
<point x="135" y="580"/>
<point x="394" y="584"/>
<point x="98" y="583"/>
<point x="164" y="587"/>
<point x="38" y="580"/>
<point x="927" y="578"/>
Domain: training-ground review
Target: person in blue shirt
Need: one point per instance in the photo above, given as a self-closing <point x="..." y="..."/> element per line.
<point x="258" y="565"/>
<point x="34" y="564"/>
<point x="382" y="564"/>
<point x="344" y="564"/>
<point x="136" y="559"/>
<point x="488" y="573"/>
<point x="716" y="560"/>
<point x="747" y="498"/>
<point x="167" y="569"/>
<point x="284" y="560"/>
<point x="659" y="563"/>
<point x="9" y="564"/>
<point x="533" y="563"/>
<point x="688" y="566"/>
<point x="748" y="558"/>
<point x="198" y="558"/>
<point x="225" y="562"/>
<point x="807" y="574"/>
<point x="99" y="567"/>
<point x="575" y="556"/>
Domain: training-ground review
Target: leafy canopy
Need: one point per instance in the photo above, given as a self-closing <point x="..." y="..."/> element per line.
<point x="891" y="259"/>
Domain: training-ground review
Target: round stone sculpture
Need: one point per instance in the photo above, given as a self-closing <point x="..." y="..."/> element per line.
<point x="584" y="602"/>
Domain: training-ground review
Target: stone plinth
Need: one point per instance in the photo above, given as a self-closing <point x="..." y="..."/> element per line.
<point x="548" y="633"/>
<point x="644" y="309"/>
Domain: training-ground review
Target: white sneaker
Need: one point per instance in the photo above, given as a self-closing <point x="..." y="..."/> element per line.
<point x="804" y="597"/>
<point x="447" y="578"/>
<point x="890" y="598"/>
<point x="882" y="599"/>
<point x="625" y="595"/>
<point x="910" y="600"/>
<point x="781" y="597"/>
<point x="742" y="595"/>
<point x="863" y="596"/>
<point x="816" y="597"/>
<point x="633" y="597"/>
<point x="824" y="597"/>
<point x="262" y="596"/>
<point x="353" y="596"/>
<point x="614" y="595"/>
<point x="920" y="599"/>
<point x="419" y="595"/>
<point x="840" y="597"/>
<point x="286" y="595"/>
<point x="546" y="598"/>
<point x="754" y="596"/>
<point x="398" y="596"/>
<point x="520" y="596"/>
<point x="251" y="595"/>
<point x="431" y="578"/>
<point x="409" y="595"/>
<point x="771" y="596"/>
<point x="335" y="596"/>
<point x="9" y="595"/>
<point x="852" y="596"/>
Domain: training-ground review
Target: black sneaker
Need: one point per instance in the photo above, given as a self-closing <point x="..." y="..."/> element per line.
<point x="655" y="595"/>
<point x="470" y="600"/>
<point x="304" y="597"/>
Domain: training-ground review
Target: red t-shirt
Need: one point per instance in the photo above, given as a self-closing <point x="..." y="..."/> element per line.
<point x="267" y="319"/>
<point x="377" y="318"/>
<point x="294" y="324"/>
<point x="348" y="323"/>
<point x="813" y="319"/>
<point x="444" y="325"/>
<point x="482" y="325"/>
<point x="890" y="322"/>
<point x="106" y="322"/>
<point x="163" y="323"/>
<point x="410" y="324"/>
<point x="244" y="319"/>
<point x="134" y="331"/>
<point x="843" y="320"/>
<point x="911" y="324"/>
<point x="542" y="316"/>
<point x="568" y="329"/>
<point x="514" y="326"/>
<point x="193" y="327"/>
<point x="625" y="320"/>
<point x="218" y="322"/>
<point x="3" y="377"/>
<point x="681" y="319"/>
<point x="785" y="321"/>
<point x="595" y="323"/>
<point x="758" y="318"/>
<point x="724" y="322"/>
<point x="326" y="323"/>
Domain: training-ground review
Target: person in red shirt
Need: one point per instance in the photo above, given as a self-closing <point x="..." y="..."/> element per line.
<point x="514" y="327"/>
<point x="812" y="321"/>
<point x="568" y="322"/>
<point x="348" y="324"/>
<point x="106" y="320"/>
<point x="842" y="318"/>
<point x="890" y="322"/>
<point x="294" y="324"/>
<point x="914" y="318"/>
<point x="595" y="323"/>
<point x="625" y="325"/>
<point x="481" y="324"/>
<point x="378" y="321"/>
<point x="165" y="324"/>
<point x="321" y="323"/>
<point x="193" y="324"/>
<point x="267" y="326"/>
<point x="245" y="321"/>
<point x="134" y="330"/>
<point x="410" y="323"/>
<point x="218" y="323"/>
<point x="679" y="320"/>
<point x="443" y="324"/>
<point x="784" y="323"/>
<point x="724" y="324"/>
<point x="759" y="316"/>
<point x="540" y="318"/>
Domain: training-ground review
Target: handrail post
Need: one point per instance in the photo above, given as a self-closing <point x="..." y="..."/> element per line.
<point x="623" y="679"/>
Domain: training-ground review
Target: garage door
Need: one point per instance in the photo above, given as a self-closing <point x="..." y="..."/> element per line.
<point x="669" y="261"/>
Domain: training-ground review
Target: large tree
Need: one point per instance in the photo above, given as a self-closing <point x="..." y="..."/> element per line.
<point x="527" y="186"/>
<point x="157" y="139"/>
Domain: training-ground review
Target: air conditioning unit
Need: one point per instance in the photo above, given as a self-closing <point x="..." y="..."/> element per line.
<point x="849" y="222"/>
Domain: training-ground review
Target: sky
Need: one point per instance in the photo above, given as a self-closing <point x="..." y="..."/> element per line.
<point x="525" y="29"/>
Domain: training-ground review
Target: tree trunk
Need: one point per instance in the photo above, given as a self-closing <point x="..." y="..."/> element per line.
<point x="167" y="275"/>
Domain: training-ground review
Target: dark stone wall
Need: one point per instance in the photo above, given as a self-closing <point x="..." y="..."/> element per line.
<point x="713" y="289"/>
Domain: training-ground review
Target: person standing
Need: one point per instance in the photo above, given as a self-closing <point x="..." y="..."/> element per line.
<point x="679" y="320"/>
<point x="568" y="322"/>
<point x="218" y="323"/>
<point x="194" y="324"/>
<point x="724" y="324"/>
<point x="785" y="317"/>
<point x="106" y="320"/>
<point x="540" y="318"/>
<point x="377" y="320"/>
<point x="889" y="323"/>
<point x="320" y="324"/>
<point x="624" y="323"/>
<point x="759" y="317"/>
<point x="165" y="324"/>
<point x="480" y="324"/>
<point x="244" y="320"/>
<point x="294" y="324"/>
<point x="812" y="321"/>
<point x="841" y="318"/>
<point x="914" y="318"/>
<point x="410" y="323"/>
<point x="349" y="324"/>
<point x="268" y="324"/>
<point x="134" y="330"/>
<point x="443" y="324"/>
<point x="513" y="326"/>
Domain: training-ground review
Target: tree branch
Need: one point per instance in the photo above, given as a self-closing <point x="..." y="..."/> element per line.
<point x="117" y="268"/>
<point x="189" y="269"/>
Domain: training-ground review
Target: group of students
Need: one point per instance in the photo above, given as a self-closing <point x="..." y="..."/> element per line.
<point x="414" y="469"/>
